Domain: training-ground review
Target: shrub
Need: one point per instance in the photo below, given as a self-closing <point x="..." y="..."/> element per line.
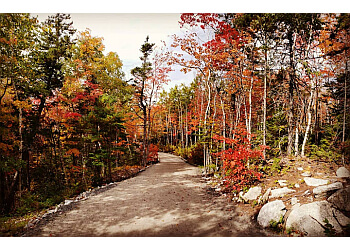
<point x="196" y="154"/>
<point x="239" y="170"/>
<point x="152" y="153"/>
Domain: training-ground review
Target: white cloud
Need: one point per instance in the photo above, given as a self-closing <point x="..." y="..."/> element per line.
<point x="125" y="33"/>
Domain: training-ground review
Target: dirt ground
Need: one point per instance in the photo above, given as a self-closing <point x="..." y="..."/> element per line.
<point x="168" y="199"/>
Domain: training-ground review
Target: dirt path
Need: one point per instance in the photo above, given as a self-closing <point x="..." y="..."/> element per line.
<point x="168" y="199"/>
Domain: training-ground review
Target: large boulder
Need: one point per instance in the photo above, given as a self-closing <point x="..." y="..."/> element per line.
<point x="341" y="199"/>
<point x="310" y="219"/>
<point x="343" y="172"/>
<point x="315" y="182"/>
<point x="280" y="192"/>
<point x="252" y="194"/>
<point x="271" y="212"/>
<point x="328" y="188"/>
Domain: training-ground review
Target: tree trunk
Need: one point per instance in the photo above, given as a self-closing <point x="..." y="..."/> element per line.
<point x="290" y="111"/>
<point x="308" y="116"/>
<point x="344" y="112"/>
<point x="296" y="142"/>
<point x="264" y="106"/>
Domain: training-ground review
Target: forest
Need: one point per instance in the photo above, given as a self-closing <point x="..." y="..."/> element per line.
<point x="266" y="86"/>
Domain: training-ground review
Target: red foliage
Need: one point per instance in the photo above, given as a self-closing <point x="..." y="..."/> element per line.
<point x="152" y="153"/>
<point x="72" y="115"/>
<point x="237" y="173"/>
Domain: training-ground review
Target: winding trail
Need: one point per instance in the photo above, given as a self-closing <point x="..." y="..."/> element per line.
<point x="168" y="199"/>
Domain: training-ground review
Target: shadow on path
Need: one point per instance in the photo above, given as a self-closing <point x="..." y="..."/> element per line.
<point x="168" y="199"/>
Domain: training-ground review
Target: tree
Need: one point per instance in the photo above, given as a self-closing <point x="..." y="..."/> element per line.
<point x="141" y="76"/>
<point x="52" y="48"/>
<point x="17" y="34"/>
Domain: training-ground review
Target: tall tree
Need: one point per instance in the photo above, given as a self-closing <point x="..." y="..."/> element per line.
<point x="141" y="76"/>
<point x="53" y="46"/>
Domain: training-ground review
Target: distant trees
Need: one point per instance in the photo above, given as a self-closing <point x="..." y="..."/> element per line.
<point x="279" y="77"/>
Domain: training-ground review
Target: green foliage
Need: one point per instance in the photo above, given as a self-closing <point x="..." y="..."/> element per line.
<point x="196" y="155"/>
<point x="329" y="229"/>
<point x="274" y="168"/>
<point x="277" y="225"/>
<point x="277" y="133"/>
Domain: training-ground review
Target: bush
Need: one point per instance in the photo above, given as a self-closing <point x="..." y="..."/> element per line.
<point x="153" y="153"/>
<point x="196" y="155"/>
<point x="273" y="169"/>
<point x="239" y="170"/>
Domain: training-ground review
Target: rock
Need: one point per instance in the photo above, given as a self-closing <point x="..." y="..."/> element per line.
<point x="306" y="193"/>
<point x="328" y="188"/>
<point x="300" y="169"/>
<point x="263" y="199"/>
<point x="240" y="198"/>
<point x="280" y="192"/>
<point x="293" y="201"/>
<point x="295" y="206"/>
<point x="343" y="172"/>
<point x="296" y="185"/>
<point x="314" y="182"/>
<point x="341" y="199"/>
<point x="282" y="183"/>
<point x="306" y="174"/>
<point x="67" y="202"/>
<point x="308" y="217"/>
<point x="271" y="211"/>
<point x="252" y="194"/>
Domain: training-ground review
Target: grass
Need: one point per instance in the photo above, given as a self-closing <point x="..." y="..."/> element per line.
<point x="12" y="226"/>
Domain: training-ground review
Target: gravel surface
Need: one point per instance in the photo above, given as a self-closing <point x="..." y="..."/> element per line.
<point x="168" y="199"/>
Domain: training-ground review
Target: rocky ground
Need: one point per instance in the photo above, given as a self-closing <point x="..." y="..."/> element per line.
<point x="168" y="199"/>
<point x="306" y="198"/>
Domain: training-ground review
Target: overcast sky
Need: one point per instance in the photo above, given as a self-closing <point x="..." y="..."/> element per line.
<point x="125" y="33"/>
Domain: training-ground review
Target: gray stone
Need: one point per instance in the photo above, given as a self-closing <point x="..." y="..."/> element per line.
<point x="328" y="188"/>
<point x="240" y="198"/>
<point x="252" y="194"/>
<point x="307" y="218"/>
<point x="280" y="192"/>
<point x="295" y="206"/>
<point x="343" y="172"/>
<point x="293" y="201"/>
<point x="271" y="211"/>
<point x="341" y="199"/>
<point x="300" y="169"/>
<point x="306" y="193"/>
<point x="282" y="183"/>
<point x="51" y="211"/>
<point x="306" y="174"/>
<point x="297" y="185"/>
<point x="67" y="202"/>
<point x="314" y="181"/>
<point x="263" y="199"/>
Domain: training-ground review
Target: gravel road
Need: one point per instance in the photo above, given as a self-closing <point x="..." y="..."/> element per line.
<point x="168" y="199"/>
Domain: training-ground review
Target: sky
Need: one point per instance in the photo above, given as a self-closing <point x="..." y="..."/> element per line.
<point x="124" y="34"/>
<point x="124" y="25"/>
